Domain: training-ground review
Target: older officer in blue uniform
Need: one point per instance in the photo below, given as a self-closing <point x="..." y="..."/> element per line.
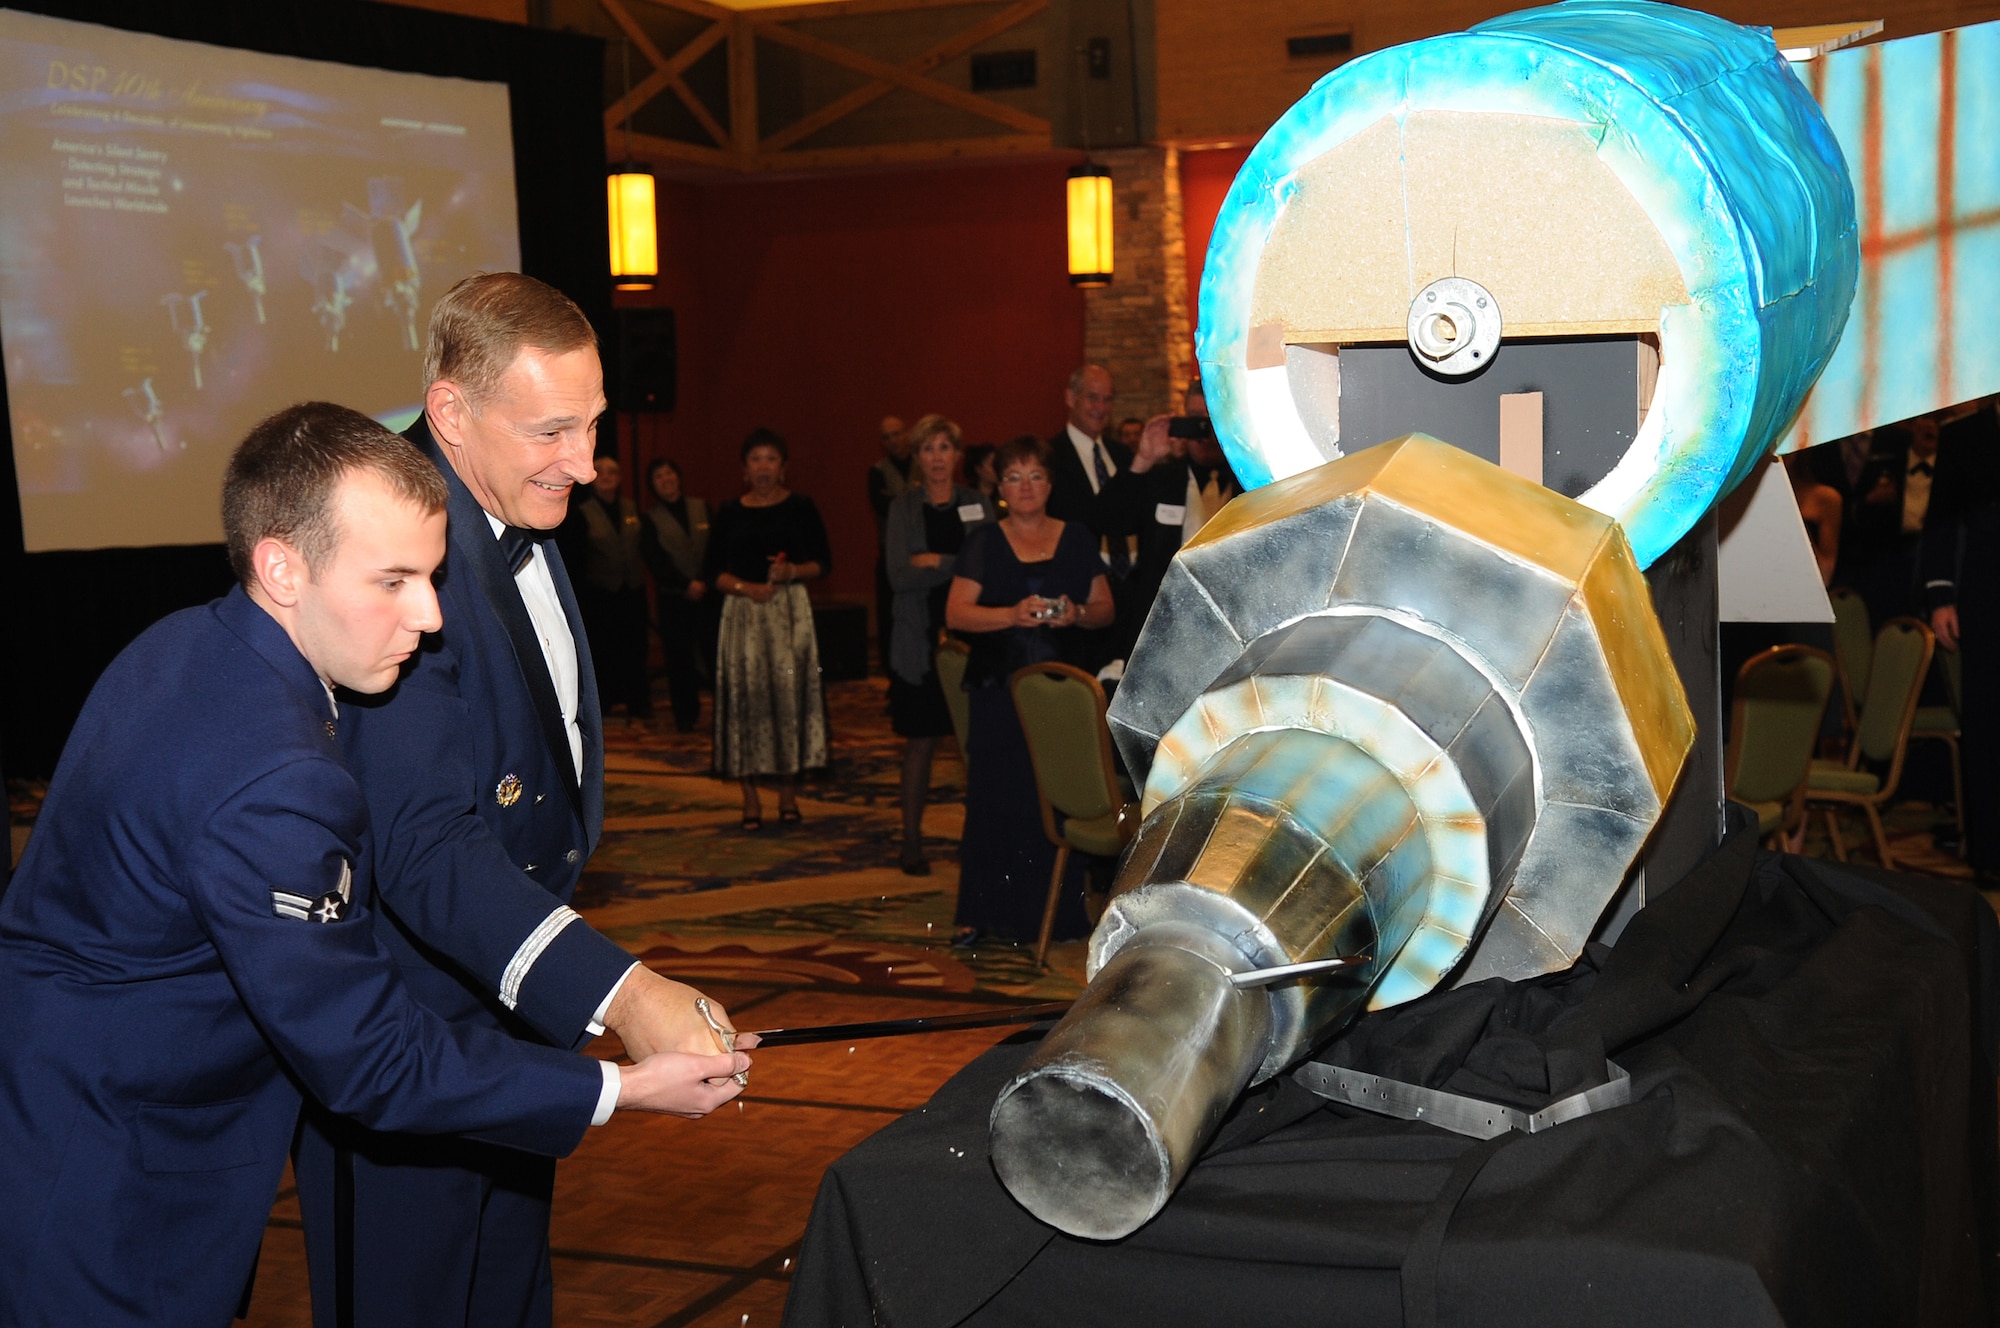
<point x="189" y="942"/>
<point x="485" y="779"/>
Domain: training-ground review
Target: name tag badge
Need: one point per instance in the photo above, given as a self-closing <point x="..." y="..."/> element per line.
<point x="970" y="512"/>
<point x="1170" y="514"/>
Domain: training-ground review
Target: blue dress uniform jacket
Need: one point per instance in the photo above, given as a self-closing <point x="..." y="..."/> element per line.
<point x="482" y="830"/>
<point x="482" y="825"/>
<point x="188" y="944"/>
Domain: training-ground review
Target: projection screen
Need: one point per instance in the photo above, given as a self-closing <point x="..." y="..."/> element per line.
<point x="192" y="237"/>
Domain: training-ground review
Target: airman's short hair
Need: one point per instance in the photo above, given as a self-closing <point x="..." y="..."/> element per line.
<point x="282" y="477"/>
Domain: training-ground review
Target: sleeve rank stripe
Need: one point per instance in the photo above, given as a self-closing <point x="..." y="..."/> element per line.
<point x="530" y="951"/>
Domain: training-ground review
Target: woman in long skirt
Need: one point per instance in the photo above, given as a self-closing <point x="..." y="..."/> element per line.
<point x="762" y="548"/>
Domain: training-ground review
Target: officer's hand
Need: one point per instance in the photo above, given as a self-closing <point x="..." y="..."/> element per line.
<point x="679" y="1084"/>
<point x="653" y="1014"/>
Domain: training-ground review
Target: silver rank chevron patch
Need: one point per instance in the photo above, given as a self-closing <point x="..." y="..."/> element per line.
<point x="329" y="907"/>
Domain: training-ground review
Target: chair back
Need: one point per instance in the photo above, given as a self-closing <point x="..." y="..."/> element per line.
<point x="1902" y="657"/>
<point x="1069" y="743"/>
<point x="1780" y="701"/>
<point x="1853" y="644"/>
<point x="950" y="661"/>
<point x="1954" y="681"/>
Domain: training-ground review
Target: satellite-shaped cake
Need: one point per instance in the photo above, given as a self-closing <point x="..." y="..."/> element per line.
<point x="1402" y="703"/>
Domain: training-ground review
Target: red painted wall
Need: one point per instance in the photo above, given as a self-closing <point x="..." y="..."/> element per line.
<point x="1205" y="180"/>
<point x="817" y="306"/>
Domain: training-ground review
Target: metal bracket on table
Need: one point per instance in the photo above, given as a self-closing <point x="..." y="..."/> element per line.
<point x="1454" y="1111"/>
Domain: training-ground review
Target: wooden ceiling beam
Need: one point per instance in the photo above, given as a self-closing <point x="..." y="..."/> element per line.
<point x="847" y="8"/>
<point x="957" y="45"/>
<point x="651" y="147"/>
<point x="885" y="72"/>
<point x="699" y="8"/>
<point x="892" y="154"/>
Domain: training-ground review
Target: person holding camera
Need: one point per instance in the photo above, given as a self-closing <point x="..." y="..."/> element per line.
<point x="1025" y="590"/>
<point x="1173" y="500"/>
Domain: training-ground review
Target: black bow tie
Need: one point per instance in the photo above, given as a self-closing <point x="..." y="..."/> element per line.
<point x="1920" y="467"/>
<point x="517" y="546"/>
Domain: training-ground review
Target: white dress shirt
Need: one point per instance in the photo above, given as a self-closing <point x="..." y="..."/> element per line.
<point x="1088" y="450"/>
<point x="538" y="594"/>
<point x="1917" y="472"/>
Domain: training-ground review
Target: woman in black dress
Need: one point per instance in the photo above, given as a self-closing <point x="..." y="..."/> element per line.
<point x="762" y="548"/>
<point x="1023" y="590"/>
<point x="925" y="526"/>
<point x="673" y="540"/>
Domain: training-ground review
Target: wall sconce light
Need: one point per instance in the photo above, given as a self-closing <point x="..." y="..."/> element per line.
<point x="1090" y="225"/>
<point x="635" y="245"/>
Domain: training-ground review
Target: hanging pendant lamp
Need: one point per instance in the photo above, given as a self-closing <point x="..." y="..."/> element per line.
<point x="1090" y="225"/>
<point x="629" y="198"/>
<point x="635" y="244"/>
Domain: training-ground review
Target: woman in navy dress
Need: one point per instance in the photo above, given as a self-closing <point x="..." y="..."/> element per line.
<point x="1024" y="590"/>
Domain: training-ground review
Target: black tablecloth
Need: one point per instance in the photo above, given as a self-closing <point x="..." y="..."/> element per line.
<point x="1811" y="1140"/>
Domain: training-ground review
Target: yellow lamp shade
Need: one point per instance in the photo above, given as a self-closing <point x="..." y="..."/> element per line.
<point x="635" y="248"/>
<point x="1089" y="225"/>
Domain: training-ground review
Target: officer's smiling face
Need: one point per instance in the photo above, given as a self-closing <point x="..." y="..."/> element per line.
<point x="362" y="612"/>
<point x="522" y="448"/>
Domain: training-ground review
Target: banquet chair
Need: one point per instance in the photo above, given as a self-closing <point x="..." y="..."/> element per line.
<point x="1780" y="701"/>
<point x="1069" y="744"/>
<point x="950" y="661"/>
<point x="1940" y="724"/>
<point x="1901" y="657"/>
<point x="1853" y="649"/>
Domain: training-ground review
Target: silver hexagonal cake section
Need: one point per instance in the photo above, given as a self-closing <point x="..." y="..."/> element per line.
<point x="1404" y="705"/>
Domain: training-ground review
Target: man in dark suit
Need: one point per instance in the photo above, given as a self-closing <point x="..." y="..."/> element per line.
<point x="1175" y="499"/>
<point x="190" y="941"/>
<point x="1961" y="575"/>
<point x="485" y="780"/>
<point x="887" y="479"/>
<point x="600" y="537"/>
<point x="1098" y="482"/>
<point x="1883" y="515"/>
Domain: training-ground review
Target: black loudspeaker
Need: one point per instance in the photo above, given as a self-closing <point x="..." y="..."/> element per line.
<point x="648" y="360"/>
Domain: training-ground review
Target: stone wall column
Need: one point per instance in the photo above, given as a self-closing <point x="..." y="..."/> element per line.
<point x="1137" y="327"/>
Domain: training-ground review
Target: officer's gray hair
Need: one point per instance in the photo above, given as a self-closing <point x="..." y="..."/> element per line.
<point x="482" y="324"/>
<point x="282" y="478"/>
<point x="1076" y="375"/>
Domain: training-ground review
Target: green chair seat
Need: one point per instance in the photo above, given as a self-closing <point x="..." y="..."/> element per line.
<point x="1831" y="777"/>
<point x="1770" y="816"/>
<point x="1933" y="721"/>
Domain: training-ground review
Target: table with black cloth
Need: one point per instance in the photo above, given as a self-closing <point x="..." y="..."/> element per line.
<point x="1810" y="1140"/>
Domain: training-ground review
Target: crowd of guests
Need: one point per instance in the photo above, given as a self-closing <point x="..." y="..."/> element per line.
<point x="1028" y="551"/>
<point x="1907" y="517"/>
